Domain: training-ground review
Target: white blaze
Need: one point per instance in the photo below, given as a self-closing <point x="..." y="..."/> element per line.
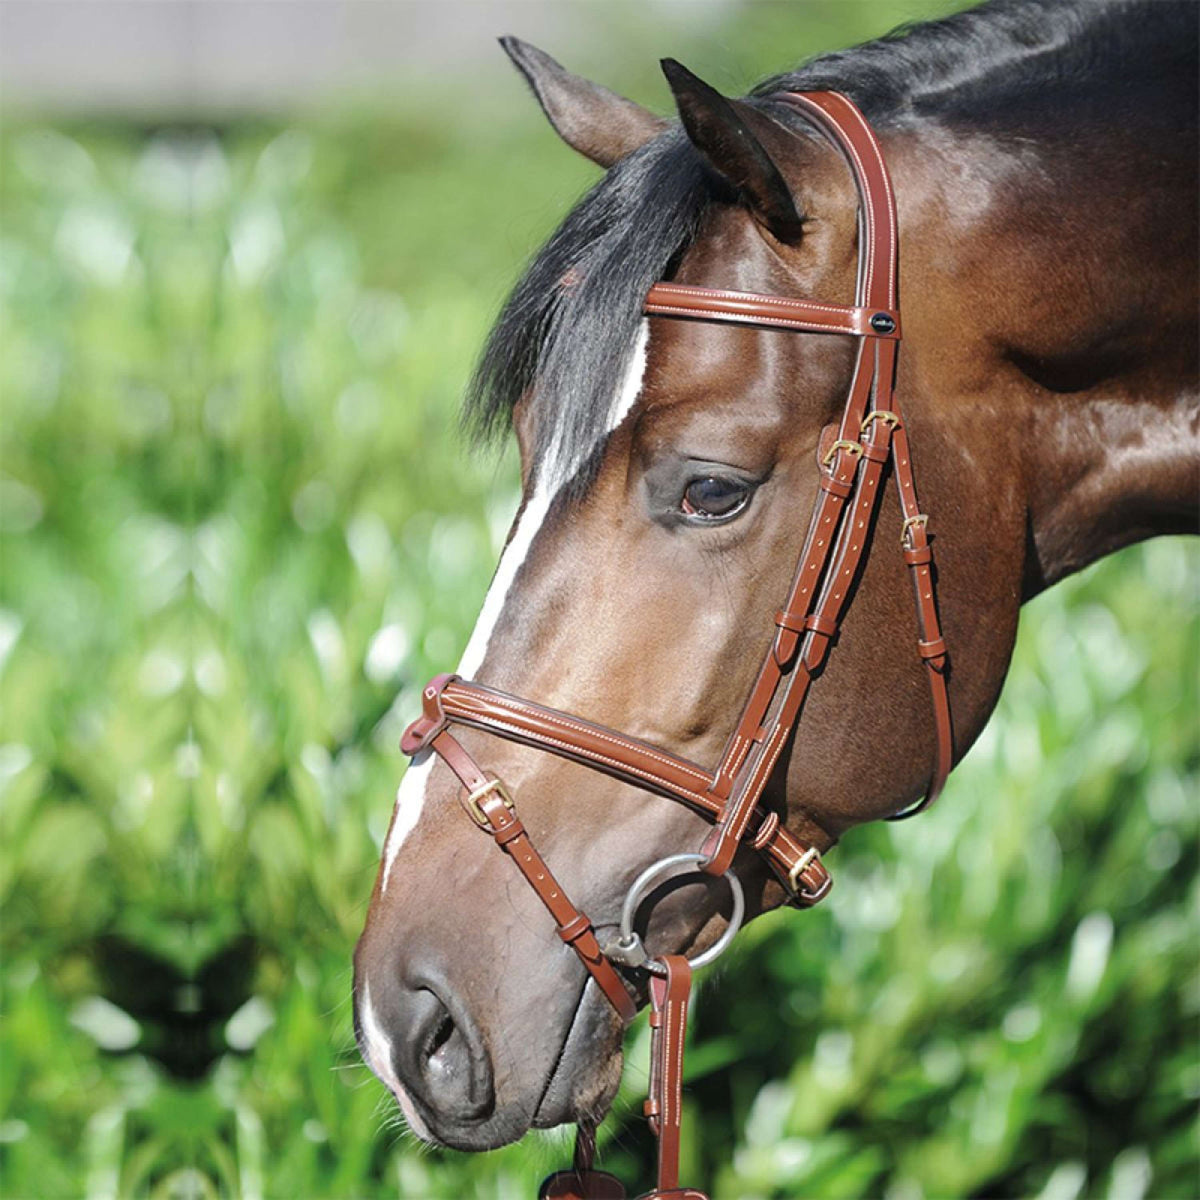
<point x="379" y="1058"/>
<point x="511" y="562"/>
<point x="410" y="799"/>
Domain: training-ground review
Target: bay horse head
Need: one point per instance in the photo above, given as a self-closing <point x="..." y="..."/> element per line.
<point x="670" y="464"/>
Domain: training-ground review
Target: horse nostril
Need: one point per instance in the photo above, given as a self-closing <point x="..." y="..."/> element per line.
<point x="446" y="1059"/>
<point x="441" y="1035"/>
<point x="444" y="1053"/>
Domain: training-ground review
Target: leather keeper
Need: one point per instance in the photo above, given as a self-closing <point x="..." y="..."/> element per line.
<point x="419" y="734"/>
<point x="794" y="622"/>
<point x="821" y="623"/>
<point x="835" y="487"/>
<point x="933" y="649"/>
<point x="766" y="831"/>
<point x="573" y="930"/>
<point x="508" y="833"/>
<point x="876" y="454"/>
<point x="918" y="556"/>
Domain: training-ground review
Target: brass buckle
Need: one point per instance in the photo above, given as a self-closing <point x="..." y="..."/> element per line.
<point x="851" y="448"/>
<point x="809" y="856"/>
<point x="476" y="813"/>
<point x="921" y="519"/>
<point x="889" y="418"/>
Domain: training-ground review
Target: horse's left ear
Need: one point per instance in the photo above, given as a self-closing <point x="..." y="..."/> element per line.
<point x="731" y="135"/>
<point x="598" y="123"/>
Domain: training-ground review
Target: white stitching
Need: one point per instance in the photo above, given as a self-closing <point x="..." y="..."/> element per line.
<point x="515" y="706"/>
<point x="891" y="206"/>
<point x="737" y="832"/>
<point x="758" y="774"/>
<point x="678" y="1028"/>
<point x="679" y="289"/>
<point x="700" y="800"/>
<point x="656" y="309"/>
<point x="809" y="106"/>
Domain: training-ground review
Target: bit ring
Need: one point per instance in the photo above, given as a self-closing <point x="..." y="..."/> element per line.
<point x="629" y="949"/>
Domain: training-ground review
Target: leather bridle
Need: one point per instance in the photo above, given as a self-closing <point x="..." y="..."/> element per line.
<point x="870" y="434"/>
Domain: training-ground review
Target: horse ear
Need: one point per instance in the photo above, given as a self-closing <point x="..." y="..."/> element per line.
<point x="729" y="134"/>
<point x="598" y="123"/>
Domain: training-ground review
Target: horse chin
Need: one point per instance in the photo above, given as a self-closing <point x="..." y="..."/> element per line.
<point x="587" y="1074"/>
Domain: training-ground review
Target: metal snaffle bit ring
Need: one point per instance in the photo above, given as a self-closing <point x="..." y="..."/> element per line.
<point x="629" y="949"/>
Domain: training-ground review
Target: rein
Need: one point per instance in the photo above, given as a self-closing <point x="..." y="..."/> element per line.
<point x="870" y="434"/>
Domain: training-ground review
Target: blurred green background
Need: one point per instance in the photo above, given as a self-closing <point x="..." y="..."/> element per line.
<point x="239" y="530"/>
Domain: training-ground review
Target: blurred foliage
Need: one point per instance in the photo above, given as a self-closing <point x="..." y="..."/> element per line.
<point x="238" y="531"/>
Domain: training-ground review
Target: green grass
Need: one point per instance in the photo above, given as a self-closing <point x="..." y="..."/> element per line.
<point x="229" y="363"/>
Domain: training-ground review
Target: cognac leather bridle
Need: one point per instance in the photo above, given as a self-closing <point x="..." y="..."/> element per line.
<point x="870" y="434"/>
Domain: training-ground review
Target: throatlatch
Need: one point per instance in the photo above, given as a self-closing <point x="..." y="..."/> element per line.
<point x="870" y="434"/>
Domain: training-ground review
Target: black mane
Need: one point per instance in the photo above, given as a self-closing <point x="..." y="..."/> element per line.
<point x="570" y="322"/>
<point x="991" y="64"/>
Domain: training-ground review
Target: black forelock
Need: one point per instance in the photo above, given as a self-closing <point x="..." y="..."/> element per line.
<point x="571" y="321"/>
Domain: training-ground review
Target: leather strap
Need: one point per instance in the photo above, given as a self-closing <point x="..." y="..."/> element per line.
<point x="842" y="123"/>
<point x="918" y="554"/>
<point x="492" y="809"/>
<point x="669" y="996"/>
<point x="448" y="699"/>
<point x="775" y="312"/>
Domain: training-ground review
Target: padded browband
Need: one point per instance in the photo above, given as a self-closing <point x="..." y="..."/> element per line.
<point x="775" y="312"/>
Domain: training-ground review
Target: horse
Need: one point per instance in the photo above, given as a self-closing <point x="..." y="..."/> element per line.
<point x="1044" y="164"/>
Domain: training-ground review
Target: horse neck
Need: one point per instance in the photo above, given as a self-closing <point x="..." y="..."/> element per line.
<point x="1049" y="298"/>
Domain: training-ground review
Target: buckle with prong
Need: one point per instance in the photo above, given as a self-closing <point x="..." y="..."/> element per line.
<point x="854" y="449"/>
<point x="475" y="810"/>
<point x="885" y="415"/>
<point x="804" y="896"/>
<point x="921" y="520"/>
<point x="809" y="856"/>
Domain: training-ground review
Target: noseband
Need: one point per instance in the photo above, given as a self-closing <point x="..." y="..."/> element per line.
<point x="870" y="434"/>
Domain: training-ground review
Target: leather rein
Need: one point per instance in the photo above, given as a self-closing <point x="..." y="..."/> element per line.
<point x="870" y="434"/>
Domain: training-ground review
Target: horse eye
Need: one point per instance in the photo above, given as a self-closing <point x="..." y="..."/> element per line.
<point x="712" y="496"/>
